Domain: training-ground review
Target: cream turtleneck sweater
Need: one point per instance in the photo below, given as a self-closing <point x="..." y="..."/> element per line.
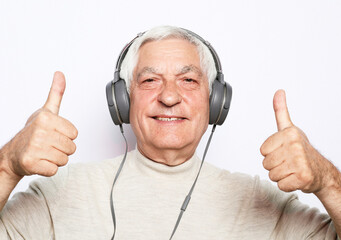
<point x="75" y="204"/>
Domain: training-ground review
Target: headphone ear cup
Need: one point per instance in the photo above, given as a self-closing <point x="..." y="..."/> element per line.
<point x="118" y="101"/>
<point x="220" y="100"/>
<point x="122" y="100"/>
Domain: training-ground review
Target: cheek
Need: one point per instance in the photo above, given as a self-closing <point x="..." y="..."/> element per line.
<point x="136" y="122"/>
<point x="133" y="111"/>
<point x="200" y="107"/>
<point x="204" y="114"/>
<point x="139" y="105"/>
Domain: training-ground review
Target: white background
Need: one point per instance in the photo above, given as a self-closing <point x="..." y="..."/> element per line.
<point x="263" y="46"/>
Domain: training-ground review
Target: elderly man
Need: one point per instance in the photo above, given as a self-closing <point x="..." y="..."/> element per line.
<point x="168" y="73"/>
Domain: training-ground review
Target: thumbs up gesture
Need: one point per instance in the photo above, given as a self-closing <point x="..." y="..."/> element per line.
<point x="46" y="141"/>
<point x="291" y="160"/>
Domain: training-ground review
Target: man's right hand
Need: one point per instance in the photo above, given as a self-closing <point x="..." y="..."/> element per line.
<point x="45" y="142"/>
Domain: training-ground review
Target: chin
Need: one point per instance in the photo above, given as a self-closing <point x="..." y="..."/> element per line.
<point x="171" y="142"/>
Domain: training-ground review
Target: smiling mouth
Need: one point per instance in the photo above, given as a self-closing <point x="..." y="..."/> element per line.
<point x="168" y="119"/>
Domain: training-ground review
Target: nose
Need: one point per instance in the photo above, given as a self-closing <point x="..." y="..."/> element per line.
<point x="169" y="95"/>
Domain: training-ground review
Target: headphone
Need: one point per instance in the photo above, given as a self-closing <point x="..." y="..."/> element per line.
<point x="119" y="102"/>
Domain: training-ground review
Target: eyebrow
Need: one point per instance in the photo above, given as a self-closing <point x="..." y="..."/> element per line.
<point x="183" y="70"/>
<point x="146" y="70"/>
<point x="190" y="68"/>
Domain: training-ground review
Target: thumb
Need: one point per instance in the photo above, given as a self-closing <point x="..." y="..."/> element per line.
<point x="56" y="93"/>
<point x="281" y="110"/>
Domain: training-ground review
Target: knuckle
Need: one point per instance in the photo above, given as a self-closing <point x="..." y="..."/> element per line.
<point x="70" y="129"/>
<point x="53" y="170"/>
<point x="297" y="146"/>
<point x="44" y="168"/>
<point x="27" y="162"/>
<point x="38" y="136"/>
<point x="284" y="187"/>
<point x="295" y="130"/>
<point x="30" y="145"/>
<point x="300" y="162"/>
<point x="61" y="160"/>
<point x="306" y="177"/>
<point x="272" y="176"/>
<point x="266" y="163"/>
<point x="64" y="160"/>
<point x="39" y="133"/>
<point x="48" y="171"/>
<point x="281" y="186"/>
<point x="293" y="133"/>
<point x="261" y="149"/>
<point x="43" y="118"/>
<point x="73" y="148"/>
<point x="74" y="133"/>
<point x="63" y="140"/>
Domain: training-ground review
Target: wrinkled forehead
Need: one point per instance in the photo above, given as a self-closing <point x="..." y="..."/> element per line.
<point x="176" y="53"/>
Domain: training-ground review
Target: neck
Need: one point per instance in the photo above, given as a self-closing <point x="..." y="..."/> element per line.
<point x="169" y="157"/>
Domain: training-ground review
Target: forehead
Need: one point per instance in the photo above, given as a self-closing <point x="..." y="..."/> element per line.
<point x="172" y="52"/>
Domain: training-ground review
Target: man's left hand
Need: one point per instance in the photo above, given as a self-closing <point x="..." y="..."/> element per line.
<point x="291" y="160"/>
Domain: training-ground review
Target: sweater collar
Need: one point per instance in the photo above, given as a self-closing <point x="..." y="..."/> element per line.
<point x="188" y="169"/>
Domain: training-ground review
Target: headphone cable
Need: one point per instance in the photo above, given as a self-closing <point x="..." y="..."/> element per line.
<point x="187" y="199"/>
<point x="112" y="188"/>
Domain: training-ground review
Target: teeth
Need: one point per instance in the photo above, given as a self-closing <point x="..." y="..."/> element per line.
<point x="168" y="119"/>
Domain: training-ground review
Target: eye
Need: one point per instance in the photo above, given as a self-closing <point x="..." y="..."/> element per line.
<point x="189" y="83"/>
<point x="149" y="80"/>
<point x="149" y="83"/>
<point x="189" y="80"/>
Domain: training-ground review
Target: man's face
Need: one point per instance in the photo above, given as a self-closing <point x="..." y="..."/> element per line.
<point x="169" y="97"/>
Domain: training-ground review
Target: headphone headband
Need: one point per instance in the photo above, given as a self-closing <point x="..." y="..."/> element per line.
<point x="124" y="52"/>
<point x="206" y="43"/>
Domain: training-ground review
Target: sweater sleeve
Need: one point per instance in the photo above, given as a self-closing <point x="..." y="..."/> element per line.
<point x="27" y="215"/>
<point x="294" y="220"/>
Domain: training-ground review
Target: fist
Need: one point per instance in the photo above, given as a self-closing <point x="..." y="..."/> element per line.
<point x="46" y="141"/>
<point x="291" y="160"/>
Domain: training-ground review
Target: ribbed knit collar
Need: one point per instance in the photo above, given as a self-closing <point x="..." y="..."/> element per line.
<point x="151" y="168"/>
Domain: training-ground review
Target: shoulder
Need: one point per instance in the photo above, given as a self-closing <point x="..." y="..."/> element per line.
<point x="93" y="168"/>
<point x="244" y="185"/>
<point x="79" y="174"/>
<point x="223" y="176"/>
<point x="227" y="184"/>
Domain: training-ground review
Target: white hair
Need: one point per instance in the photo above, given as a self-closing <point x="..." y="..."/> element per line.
<point x="165" y="32"/>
